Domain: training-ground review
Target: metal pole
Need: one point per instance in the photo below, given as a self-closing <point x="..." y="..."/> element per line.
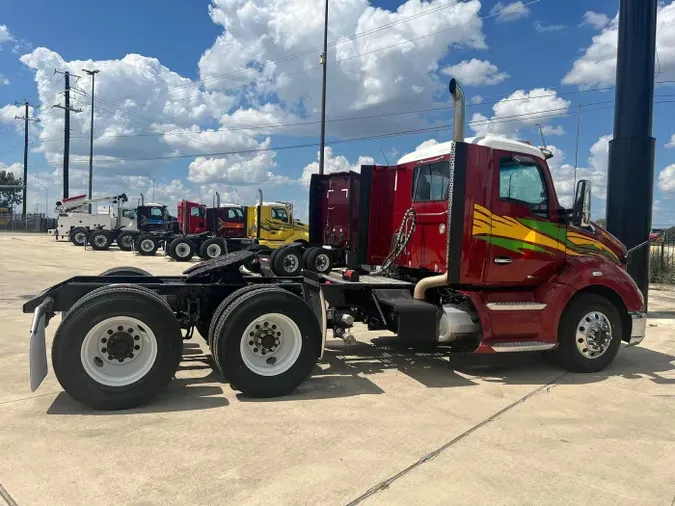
<point x="576" y="153"/>
<point x="66" y="133"/>
<point x="631" y="153"/>
<point x="92" y="73"/>
<point x="25" y="157"/>
<point x="323" y="92"/>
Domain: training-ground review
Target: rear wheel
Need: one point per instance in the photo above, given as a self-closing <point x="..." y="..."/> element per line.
<point x="146" y="245"/>
<point x="212" y="248"/>
<point x="125" y="271"/>
<point x="267" y="343"/>
<point x="100" y="240"/>
<point x="589" y="335"/>
<point x="319" y="260"/>
<point x="181" y="249"/>
<point x="117" y="347"/>
<point x="287" y="262"/>
<point x="125" y="241"/>
<point x="78" y="236"/>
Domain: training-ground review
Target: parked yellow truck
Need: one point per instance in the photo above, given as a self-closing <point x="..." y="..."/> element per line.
<point x="277" y="226"/>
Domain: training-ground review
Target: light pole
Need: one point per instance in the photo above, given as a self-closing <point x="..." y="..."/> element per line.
<point x="92" y="73"/>
<point x="46" y="188"/>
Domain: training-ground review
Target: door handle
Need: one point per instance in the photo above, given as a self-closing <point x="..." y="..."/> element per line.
<point x="502" y="260"/>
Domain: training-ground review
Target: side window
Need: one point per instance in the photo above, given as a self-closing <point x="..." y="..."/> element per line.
<point x="235" y="214"/>
<point x="522" y="182"/>
<point x="156" y="211"/>
<point x="431" y="182"/>
<point x="197" y="211"/>
<point x="280" y="213"/>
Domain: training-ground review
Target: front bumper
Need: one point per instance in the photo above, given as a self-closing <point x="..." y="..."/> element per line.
<point x="638" y="327"/>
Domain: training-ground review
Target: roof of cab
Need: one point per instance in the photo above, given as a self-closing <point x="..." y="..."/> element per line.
<point x="444" y="148"/>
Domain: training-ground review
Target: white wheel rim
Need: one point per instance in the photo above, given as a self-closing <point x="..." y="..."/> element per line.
<point x="126" y="241"/>
<point x="100" y="240"/>
<point x="136" y="343"/>
<point x="594" y="335"/>
<point x="271" y="344"/>
<point x="182" y="250"/>
<point x="290" y="263"/>
<point x="322" y="262"/>
<point x="213" y="251"/>
<point x="80" y="237"/>
<point x="147" y="245"/>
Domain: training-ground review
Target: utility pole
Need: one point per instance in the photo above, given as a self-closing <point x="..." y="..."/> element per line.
<point x="66" y="129"/>
<point x="576" y="152"/>
<point x="92" y="73"/>
<point x="631" y="151"/>
<point x="26" y="119"/>
<point x="323" y="92"/>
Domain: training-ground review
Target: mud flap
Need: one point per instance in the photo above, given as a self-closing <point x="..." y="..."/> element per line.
<point x="315" y="299"/>
<point x="38" y="346"/>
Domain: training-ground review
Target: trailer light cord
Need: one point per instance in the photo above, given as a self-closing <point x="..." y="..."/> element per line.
<point x="403" y="236"/>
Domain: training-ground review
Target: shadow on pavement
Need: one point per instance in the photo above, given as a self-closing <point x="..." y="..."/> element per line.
<point x="661" y="314"/>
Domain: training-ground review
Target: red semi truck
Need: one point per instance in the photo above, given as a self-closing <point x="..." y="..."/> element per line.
<point x="477" y="256"/>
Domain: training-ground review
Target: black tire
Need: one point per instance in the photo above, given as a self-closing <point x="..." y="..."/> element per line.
<point x="182" y="249"/>
<point x="203" y="329"/>
<point x="208" y="249"/>
<point x="573" y="319"/>
<point x="146" y="245"/>
<point x="78" y="236"/>
<point x="100" y="240"/>
<point x="125" y="241"/>
<point x="232" y="326"/>
<point x="286" y="262"/>
<point x="253" y="247"/>
<point x="96" y="307"/>
<point x="224" y="305"/>
<point x="319" y="260"/>
<point x="125" y="271"/>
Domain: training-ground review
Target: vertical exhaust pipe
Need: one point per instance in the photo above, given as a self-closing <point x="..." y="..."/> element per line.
<point x="142" y="199"/>
<point x="460" y="110"/>
<point x="216" y="213"/>
<point x="259" y="213"/>
<point x="459" y="114"/>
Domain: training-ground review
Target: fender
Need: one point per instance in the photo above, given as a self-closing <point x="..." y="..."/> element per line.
<point x="585" y="273"/>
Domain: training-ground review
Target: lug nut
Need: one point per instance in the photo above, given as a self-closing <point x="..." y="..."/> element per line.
<point x="250" y="343"/>
<point x="104" y="350"/>
<point x="110" y="332"/>
<point x="131" y="331"/>
<point x="121" y="359"/>
<point x="137" y="338"/>
<point x="103" y="340"/>
<point x="131" y="355"/>
<point x="137" y="347"/>
<point x="120" y="328"/>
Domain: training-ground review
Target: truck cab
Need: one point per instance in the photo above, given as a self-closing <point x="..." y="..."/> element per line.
<point x="277" y="226"/>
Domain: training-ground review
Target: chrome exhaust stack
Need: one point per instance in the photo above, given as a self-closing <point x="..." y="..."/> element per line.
<point x="460" y="110"/>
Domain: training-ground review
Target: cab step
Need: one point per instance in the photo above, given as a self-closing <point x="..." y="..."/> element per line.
<point x="518" y="346"/>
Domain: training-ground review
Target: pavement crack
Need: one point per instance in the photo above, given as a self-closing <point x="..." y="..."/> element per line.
<point x="30" y="397"/>
<point x="8" y="498"/>
<point x="433" y="454"/>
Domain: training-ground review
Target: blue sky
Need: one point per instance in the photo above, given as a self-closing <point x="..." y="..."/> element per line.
<point x="528" y="62"/>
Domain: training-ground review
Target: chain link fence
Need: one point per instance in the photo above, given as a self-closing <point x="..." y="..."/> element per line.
<point x="26" y="223"/>
<point x="662" y="262"/>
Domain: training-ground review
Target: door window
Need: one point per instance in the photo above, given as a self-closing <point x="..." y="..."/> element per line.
<point x="197" y="211"/>
<point x="156" y="211"/>
<point x="431" y="182"/>
<point x="235" y="214"/>
<point x="280" y="213"/>
<point x="521" y="181"/>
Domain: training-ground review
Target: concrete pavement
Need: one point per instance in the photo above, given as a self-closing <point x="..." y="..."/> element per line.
<point x="373" y="425"/>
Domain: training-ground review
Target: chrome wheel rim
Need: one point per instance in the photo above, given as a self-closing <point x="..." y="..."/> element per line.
<point x="322" y="262"/>
<point x="182" y="250"/>
<point x="147" y="245"/>
<point x="290" y="263"/>
<point x="127" y="241"/>
<point x="271" y="344"/>
<point x="80" y="237"/>
<point x="100" y="240"/>
<point x="593" y="335"/>
<point x="118" y="351"/>
<point x="213" y="250"/>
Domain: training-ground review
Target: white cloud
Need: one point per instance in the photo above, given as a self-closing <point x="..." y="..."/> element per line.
<point x="3" y="80"/>
<point x="671" y="142"/>
<point x="542" y="28"/>
<point x="510" y="12"/>
<point x="476" y="99"/>
<point x="475" y="72"/>
<point x="15" y="168"/>
<point x="427" y="144"/>
<point x="597" y="65"/>
<point x="8" y="115"/>
<point x="5" y="36"/>
<point x="549" y="130"/>
<point x="595" y="19"/>
<point x="333" y="164"/>
<point x="595" y="171"/>
<point x="519" y="110"/>
<point x="397" y="65"/>
<point x="667" y="179"/>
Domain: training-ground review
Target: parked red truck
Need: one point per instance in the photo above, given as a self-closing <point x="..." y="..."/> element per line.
<point x="477" y="257"/>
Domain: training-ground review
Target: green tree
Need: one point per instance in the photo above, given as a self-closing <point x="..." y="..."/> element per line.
<point x="602" y="222"/>
<point x="9" y="196"/>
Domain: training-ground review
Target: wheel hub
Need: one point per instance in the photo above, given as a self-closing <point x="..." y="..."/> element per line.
<point x="594" y="335"/>
<point x="80" y="237"/>
<point x="290" y="263"/>
<point x="182" y="250"/>
<point x="265" y="338"/>
<point x="100" y="240"/>
<point x="147" y="245"/>
<point x="120" y="344"/>
<point x="213" y="251"/>
<point x="321" y="262"/>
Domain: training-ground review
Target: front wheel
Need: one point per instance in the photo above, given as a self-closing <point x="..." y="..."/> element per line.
<point x="590" y="334"/>
<point x="78" y="236"/>
<point x="267" y="343"/>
